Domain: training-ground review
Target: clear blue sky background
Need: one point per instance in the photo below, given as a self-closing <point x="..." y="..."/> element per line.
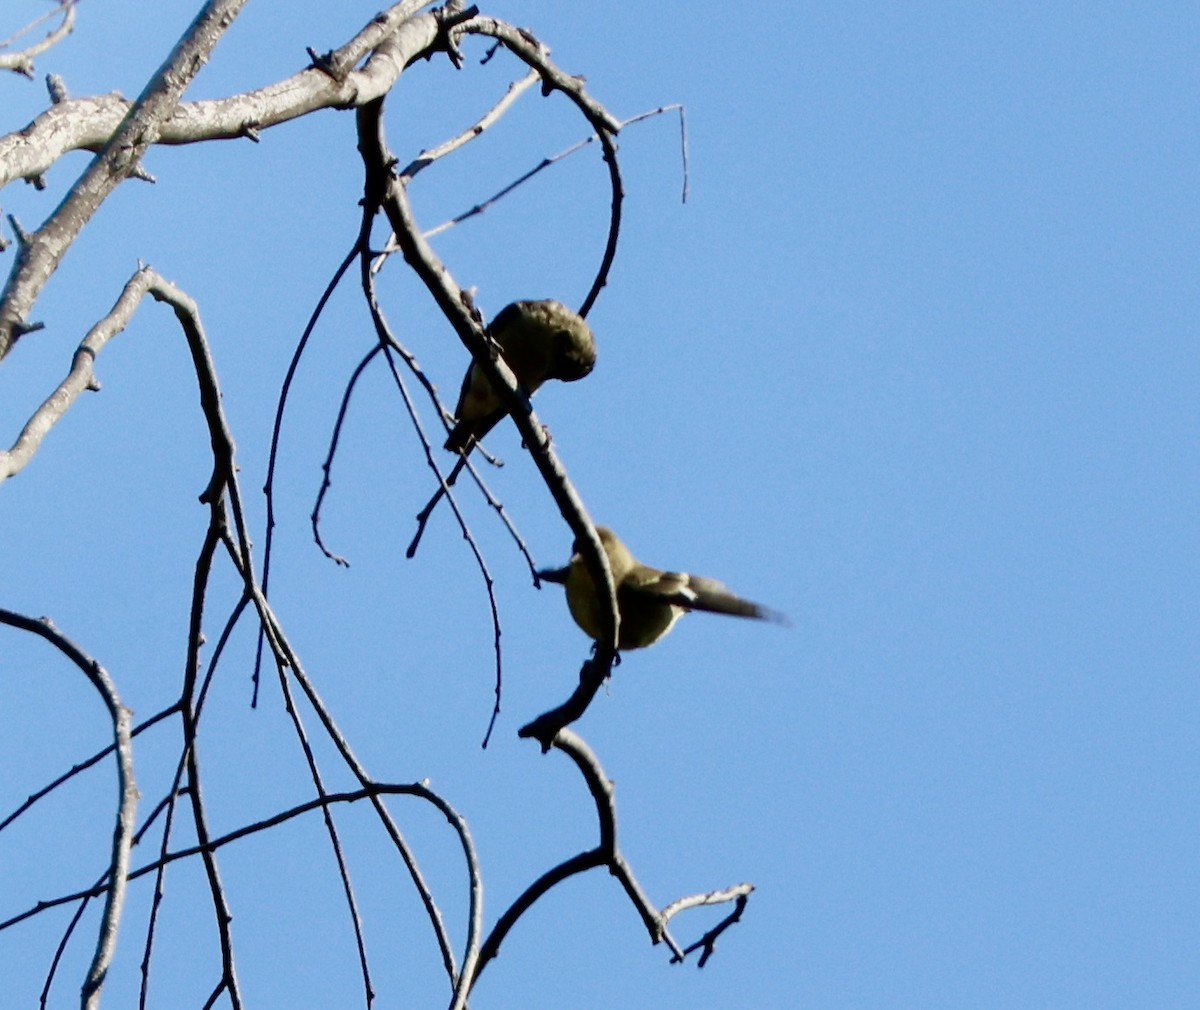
<point x="916" y="364"/>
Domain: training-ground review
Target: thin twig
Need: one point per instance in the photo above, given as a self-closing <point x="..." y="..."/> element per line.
<point x="327" y="466"/>
<point x="22" y="62"/>
<point x="740" y="895"/>
<point x="277" y="434"/>
<point x="77" y="917"/>
<point x="528" y="49"/>
<point x="170" y="801"/>
<point x="127" y="794"/>
<point x="554" y="159"/>
<point x="514" y="91"/>
<point x="82" y="766"/>
<point x="426" y="158"/>
<point x="373" y="791"/>
<point x="334" y="840"/>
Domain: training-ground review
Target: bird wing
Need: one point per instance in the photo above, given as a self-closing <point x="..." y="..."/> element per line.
<point x="505" y="318"/>
<point x="692" y="592"/>
<point x="468" y="431"/>
<point x="480" y="408"/>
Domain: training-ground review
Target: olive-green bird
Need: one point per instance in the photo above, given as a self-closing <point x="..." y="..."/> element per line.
<point x="539" y="341"/>
<point x="649" y="601"/>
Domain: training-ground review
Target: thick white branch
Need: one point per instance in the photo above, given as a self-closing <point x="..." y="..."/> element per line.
<point x="87" y="124"/>
<point x="157" y="112"/>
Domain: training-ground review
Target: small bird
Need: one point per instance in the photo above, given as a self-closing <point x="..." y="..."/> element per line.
<point x="649" y="601"/>
<point x="539" y="340"/>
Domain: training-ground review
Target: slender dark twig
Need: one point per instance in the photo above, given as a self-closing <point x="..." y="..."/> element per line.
<point x="276" y="434"/>
<point x="327" y="466"/>
<point x="127" y="794"/>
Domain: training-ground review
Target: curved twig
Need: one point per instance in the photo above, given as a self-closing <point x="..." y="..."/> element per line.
<point x="369" y="792"/>
<point x="22" y="62"/>
<point x="127" y="794"/>
<point x="327" y="466"/>
<point x="277" y="430"/>
<point x="525" y="47"/>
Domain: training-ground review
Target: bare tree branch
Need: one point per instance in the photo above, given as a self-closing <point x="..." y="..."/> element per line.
<point x="40" y="254"/>
<point x="88" y="124"/>
<point x="127" y="795"/>
<point x="451" y="299"/>
<point x="358" y="75"/>
<point x="80" y="377"/>
<point x="21" y="62"/>
<point x="739" y="894"/>
<point x="335" y="842"/>
<point x="607" y="853"/>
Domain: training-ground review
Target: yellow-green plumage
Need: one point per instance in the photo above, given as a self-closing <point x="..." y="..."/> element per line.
<point x="649" y="601"/>
<point x="540" y="340"/>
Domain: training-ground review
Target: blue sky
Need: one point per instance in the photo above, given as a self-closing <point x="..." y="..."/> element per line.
<point x="916" y="364"/>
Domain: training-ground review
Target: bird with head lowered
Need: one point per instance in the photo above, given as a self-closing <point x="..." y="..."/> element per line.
<point x="539" y="340"/>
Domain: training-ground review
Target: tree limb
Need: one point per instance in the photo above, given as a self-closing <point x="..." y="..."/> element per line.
<point x="21" y="62"/>
<point x="127" y="795"/>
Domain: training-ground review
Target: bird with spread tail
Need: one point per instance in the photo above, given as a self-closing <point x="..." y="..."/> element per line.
<point x="649" y="601"/>
<point x="539" y="340"/>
